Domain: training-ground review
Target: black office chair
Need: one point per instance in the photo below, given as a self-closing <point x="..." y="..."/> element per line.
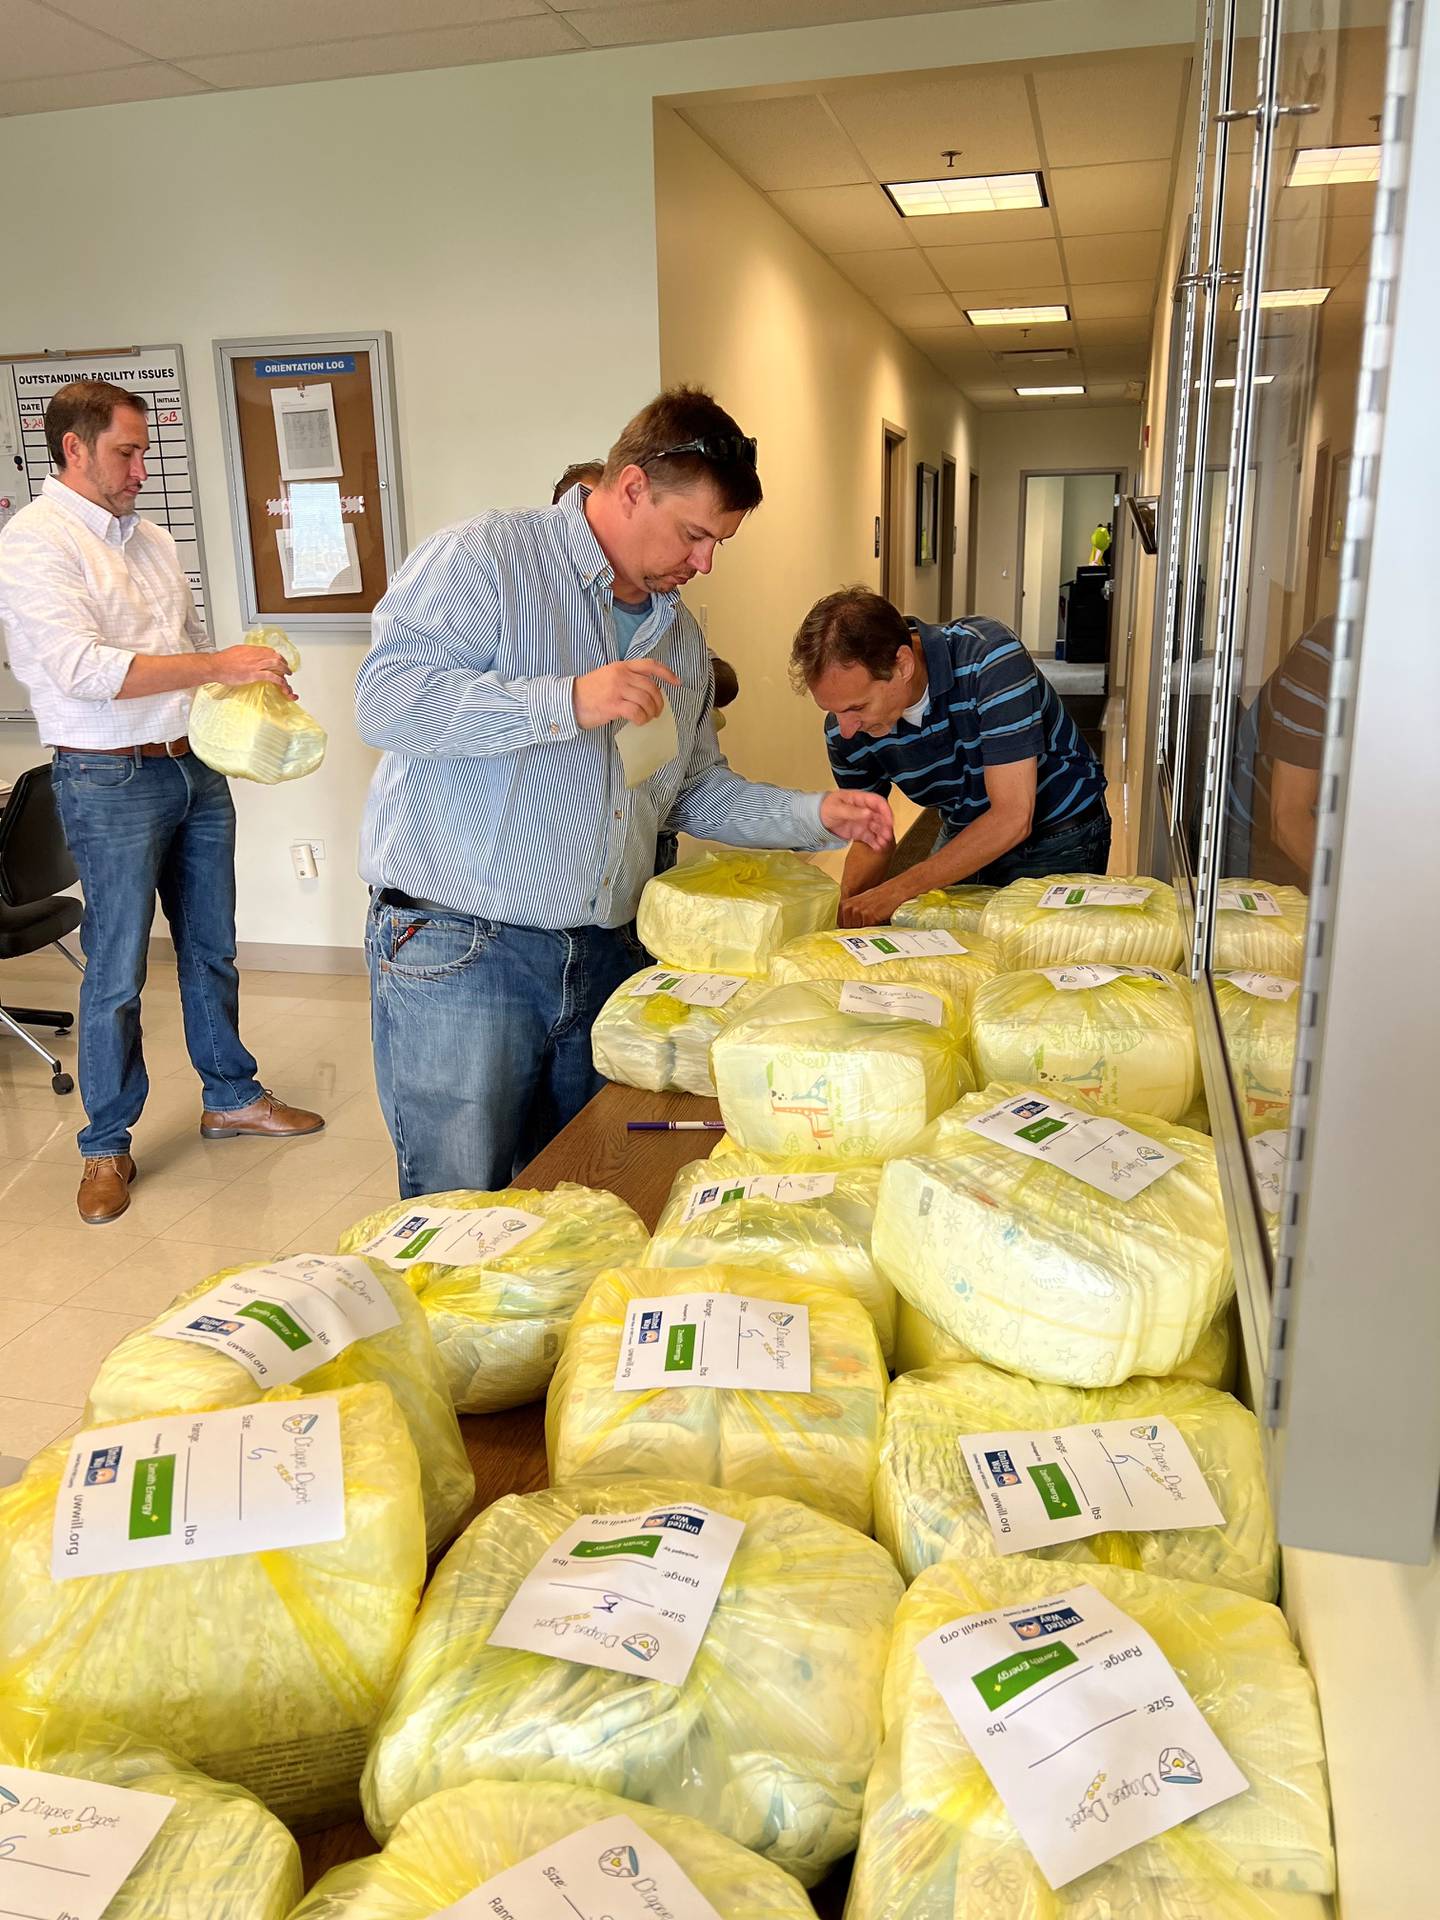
<point x="35" y="864"/>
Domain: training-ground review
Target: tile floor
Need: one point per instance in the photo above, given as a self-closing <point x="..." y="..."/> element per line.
<point x="68" y="1292"/>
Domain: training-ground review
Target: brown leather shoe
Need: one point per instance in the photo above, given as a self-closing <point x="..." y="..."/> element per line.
<point x="105" y="1188"/>
<point x="267" y="1116"/>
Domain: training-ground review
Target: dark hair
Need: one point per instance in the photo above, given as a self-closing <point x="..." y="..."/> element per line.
<point x="584" y="473"/>
<point x="677" y="418"/>
<point x="85" y="408"/>
<point x="850" y="628"/>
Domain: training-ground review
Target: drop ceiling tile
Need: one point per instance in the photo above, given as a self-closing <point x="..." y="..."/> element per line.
<point x="1333" y="246"/>
<point x="1114" y="300"/>
<point x="896" y="271"/>
<point x="613" y="23"/>
<point x="903" y="127"/>
<point x="1017" y="263"/>
<point x="1355" y="199"/>
<point x="1013" y="339"/>
<point x="1112" y="256"/>
<point x="1115" y="363"/>
<point x="35" y="43"/>
<point x="386" y="53"/>
<point x="843" y="219"/>
<point x="1128" y="108"/>
<point x="1028" y="295"/>
<point x="783" y="143"/>
<point x="175" y="29"/>
<point x="1116" y="331"/>
<point x="911" y="310"/>
<point x="151" y="81"/>
<point x="1125" y="198"/>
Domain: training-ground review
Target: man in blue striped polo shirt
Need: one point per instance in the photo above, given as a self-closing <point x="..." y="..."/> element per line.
<point x="960" y="719"/>
<point x="504" y="851"/>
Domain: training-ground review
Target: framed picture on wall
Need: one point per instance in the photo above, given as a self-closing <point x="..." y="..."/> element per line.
<point x="927" y="515"/>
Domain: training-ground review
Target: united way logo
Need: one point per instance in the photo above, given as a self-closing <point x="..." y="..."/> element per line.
<point x="621" y="1863"/>
<point x="1030" y="1109"/>
<point x="650" y="1325"/>
<point x="1002" y="1468"/>
<point x="104" y="1466"/>
<point x="1054" y="1620"/>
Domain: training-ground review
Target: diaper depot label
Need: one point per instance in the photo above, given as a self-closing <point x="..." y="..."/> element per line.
<point x="452" y="1236"/>
<point x="1246" y="900"/>
<point x="874" y="949"/>
<point x="694" y="989"/>
<point x="898" y="1003"/>
<point x="630" y="1592"/>
<point x="1132" y="1476"/>
<point x="1075" y="979"/>
<point x="787" y="1189"/>
<point x="715" y="1340"/>
<point x="1268" y="1154"/>
<point x="1264" y="986"/>
<point x="606" y="1872"/>
<point x="1097" y="1150"/>
<point x="284" y="1320"/>
<point x="1082" y="1725"/>
<point x="200" y="1486"/>
<point x="1097" y="895"/>
<point x="68" y="1845"/>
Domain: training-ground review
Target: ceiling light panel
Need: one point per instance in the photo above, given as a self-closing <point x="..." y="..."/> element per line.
<point x="1279" y="297"/>
<point x="1045" y="393"/>
<point x="1016" y="316"/>
<point x="974" y="193"/>
<point x="1333" y="166"/>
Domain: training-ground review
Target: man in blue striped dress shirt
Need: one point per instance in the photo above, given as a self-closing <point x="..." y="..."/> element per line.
<point x="504" y="851"/>
<point x="959" y="718"/>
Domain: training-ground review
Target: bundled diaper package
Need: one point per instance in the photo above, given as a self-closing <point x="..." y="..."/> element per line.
<point x="740" y="1377"/>
<point x="839" y="1070"/>
<point x="920" y="1342"/>
<point x="1055" y="1241"/>
<point x="1260" y="926"/>
<point x="1130" y="920"/>
<point x="656" y="1028"/>
<point x="1039" y="1492"/>
<point x="217" y="1854"/>
<point x="1122" y="1036"/>
<point x="902" y="956"/>
<point x="1234" y="1716"/>
<point x="732" y="912"/>
<point x="944" y="909"/>
<point x="255" y="732"/>
<point x="1259" y="1019"/>
<point x="751" y="1702"/>
<point x="499" y="1275"/>
<point x="311" y="1321"/>
<point x="756" y="1211"/>
<point x="236" y="1586"/>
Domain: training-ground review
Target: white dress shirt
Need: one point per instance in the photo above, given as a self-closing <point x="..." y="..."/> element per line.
<point x="82" y="591"/>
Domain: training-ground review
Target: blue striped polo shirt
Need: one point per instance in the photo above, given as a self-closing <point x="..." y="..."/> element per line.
<point x="988" y="706"/>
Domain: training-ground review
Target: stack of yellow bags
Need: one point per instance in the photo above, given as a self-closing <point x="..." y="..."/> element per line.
<point x="732" y="912"/>
<point x="1129" y="920"/>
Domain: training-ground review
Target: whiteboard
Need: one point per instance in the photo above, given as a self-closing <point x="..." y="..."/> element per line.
<point x="169" y="498"/>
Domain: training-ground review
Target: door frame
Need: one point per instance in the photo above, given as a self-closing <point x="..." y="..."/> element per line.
<point x="948" y="536"/>
<point x="1119" y="545"/>
<point x="972" y="542"/>
<point x="893" y="498"/>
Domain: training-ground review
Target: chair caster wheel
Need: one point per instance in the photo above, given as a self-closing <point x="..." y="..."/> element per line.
<point x="62" y="1083"/>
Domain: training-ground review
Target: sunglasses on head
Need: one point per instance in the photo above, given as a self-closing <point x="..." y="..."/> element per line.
<point x="733" y="448"/>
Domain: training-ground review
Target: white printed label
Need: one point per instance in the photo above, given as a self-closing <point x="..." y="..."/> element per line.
<point x="1082" y="1725"/>
<point x="900" y="1003"/>
<point x="715" y="1340"/>
<point x="612" y="1869"/>
<point x="200" y="1486"/>
<point x="1094" y="896"/>
<point x="1268" y="1154"/>
<point x="1264" y="986"/>
<point x="68" y="1845"/>
<point x="1096" y="1149"/>
<point x="282" y="1321"/>
<point x="1246" y="900"/>
<point x="630" y="1592"/>
<point x="874" y="949"/>
<point x="452" y="1236"/>
<point x="1090" y="974"/>
<point x="789" y="1189"/>
<point x="1132" y="1476"/>
<point x="694" y="989"/>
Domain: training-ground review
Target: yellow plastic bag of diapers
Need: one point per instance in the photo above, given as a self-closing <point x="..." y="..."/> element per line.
<point x="938" y="1839"/>
<point x="761" y="1336"/>
<point x="894" y="956"/>
<point x="1259" y="1016"/>
<point x="254" y="732"/>
<point x="767" y="1736"/>
<point x="944" y="909"/>
<point x="656" y="1028"/>
<point x="1129" y="920"/>
<point x="1260" y="926"/>
<point x="927" y="1507"/>
<point x="499" y="1275"/>
<point x="761" y="1212"/>
<point x="919" y="1342"/>
<point x="732" y="912"/>
<point x="1122" y="1036"/>
<point x="1032" y="1265"/>
<point x="223" y="1343"/>
<point x="261" y="1665"/>
<point x="838" y="1070"/>
<point x="457" y="1842"/>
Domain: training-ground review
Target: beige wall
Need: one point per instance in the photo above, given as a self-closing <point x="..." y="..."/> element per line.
<point x="751" y="310"/>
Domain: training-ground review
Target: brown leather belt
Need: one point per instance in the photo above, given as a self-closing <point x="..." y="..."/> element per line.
<point x="152" y="749"/>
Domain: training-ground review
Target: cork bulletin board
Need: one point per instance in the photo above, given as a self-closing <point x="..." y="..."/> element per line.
<point x="314" y="480"/>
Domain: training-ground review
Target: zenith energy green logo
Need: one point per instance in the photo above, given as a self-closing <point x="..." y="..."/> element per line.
<point x="1019" y="1671"/>
<point x="1055" y="1491"/>
<point x="282" y="1324"/>
<point x="646" y="1543"/>
<point x="152" y="1497"/>
<point x="680" y="1348"/>
<point x="1039" y="1130"/>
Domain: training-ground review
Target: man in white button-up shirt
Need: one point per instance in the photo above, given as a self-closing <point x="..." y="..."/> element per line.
<point x="102" y="631"/>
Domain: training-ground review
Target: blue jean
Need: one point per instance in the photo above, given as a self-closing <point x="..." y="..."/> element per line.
<point x="136" y="828"/>
<point x="482" y="1037"/>
<point x="1078" y="846"/>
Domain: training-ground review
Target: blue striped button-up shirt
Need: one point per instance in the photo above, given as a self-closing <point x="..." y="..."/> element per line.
<point x="489" y="798"/>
